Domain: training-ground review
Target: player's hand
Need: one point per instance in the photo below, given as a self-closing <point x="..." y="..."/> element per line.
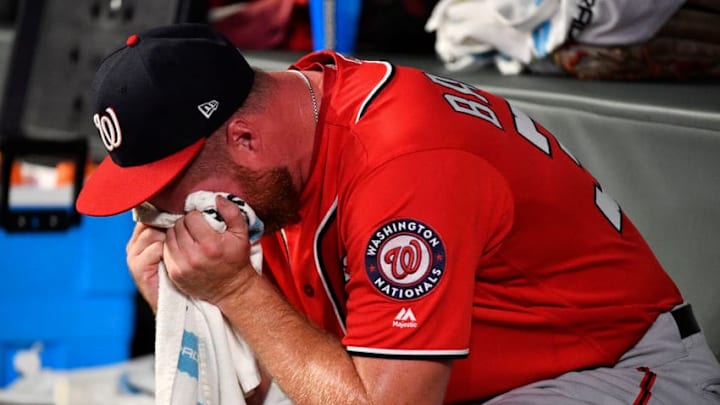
<point x="207" y="264"/>
<point x="144" y="253"/>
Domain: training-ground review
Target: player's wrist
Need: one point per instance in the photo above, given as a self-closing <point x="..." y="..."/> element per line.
<point x="237" y="289"/>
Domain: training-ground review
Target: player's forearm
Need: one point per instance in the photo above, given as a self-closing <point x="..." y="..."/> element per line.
<point x="310" y="366"/>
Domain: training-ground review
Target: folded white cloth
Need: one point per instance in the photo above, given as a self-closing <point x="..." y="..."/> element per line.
<point x="199" y="357"/>
<point x="473" y="33"/>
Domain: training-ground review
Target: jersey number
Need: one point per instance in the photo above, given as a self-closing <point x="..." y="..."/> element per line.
<point x="475" y="104"/>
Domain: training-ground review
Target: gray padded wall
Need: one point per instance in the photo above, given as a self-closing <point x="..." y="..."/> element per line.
<point x="6" y="38"/>
<point x="73" y="38"/>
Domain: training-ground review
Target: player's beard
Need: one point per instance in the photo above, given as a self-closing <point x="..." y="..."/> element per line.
<point x="272" y="194"/>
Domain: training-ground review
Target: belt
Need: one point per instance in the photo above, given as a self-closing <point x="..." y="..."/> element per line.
<point x="685" y="320"/>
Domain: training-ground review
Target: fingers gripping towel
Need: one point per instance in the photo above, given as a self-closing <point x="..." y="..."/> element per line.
<point x="199" y="357"/>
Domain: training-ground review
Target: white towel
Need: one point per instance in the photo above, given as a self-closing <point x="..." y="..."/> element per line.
<point x="473" y="33"/>
<point x="199" y="357"/>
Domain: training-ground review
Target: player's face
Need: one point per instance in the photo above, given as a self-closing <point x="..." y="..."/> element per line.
<point x="272" y="194"/>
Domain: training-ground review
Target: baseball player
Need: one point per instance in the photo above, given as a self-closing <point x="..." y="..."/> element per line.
<point x="427" y="241"/>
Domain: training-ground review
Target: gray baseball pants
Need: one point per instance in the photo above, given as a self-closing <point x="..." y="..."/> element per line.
<point x="664" y="367"/>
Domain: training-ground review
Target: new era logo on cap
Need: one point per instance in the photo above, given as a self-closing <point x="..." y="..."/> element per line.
<point x="208" y="108"/>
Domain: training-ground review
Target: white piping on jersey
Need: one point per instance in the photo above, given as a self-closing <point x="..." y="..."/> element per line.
<point x="385" y="352"/>
<point x="381" y="83"/>
<point x="287" y="247"/>
<point x="316" y="256"/>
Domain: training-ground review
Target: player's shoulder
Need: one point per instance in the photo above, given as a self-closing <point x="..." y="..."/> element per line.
<point x="387" y="110"/>
<point x="354" y="84"/>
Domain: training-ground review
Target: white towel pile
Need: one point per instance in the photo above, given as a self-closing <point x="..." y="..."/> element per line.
<point x="516" y="33"/>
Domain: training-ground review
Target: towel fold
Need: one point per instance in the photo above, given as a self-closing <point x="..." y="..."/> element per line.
<point x="199" y="357"/>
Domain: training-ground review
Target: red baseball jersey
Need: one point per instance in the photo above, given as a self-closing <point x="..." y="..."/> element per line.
<point x="441" y="222"/>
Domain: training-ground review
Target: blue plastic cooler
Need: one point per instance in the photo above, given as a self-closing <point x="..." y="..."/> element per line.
<point x="68" y="290"/>
<point x="64" y="282"/>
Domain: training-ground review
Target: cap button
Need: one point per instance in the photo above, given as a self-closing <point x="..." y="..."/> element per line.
<point x="132" y="40"/>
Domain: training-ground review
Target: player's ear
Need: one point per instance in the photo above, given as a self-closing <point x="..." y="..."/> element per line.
<point x="242" y="142"/>
<point x="240" y="136"/>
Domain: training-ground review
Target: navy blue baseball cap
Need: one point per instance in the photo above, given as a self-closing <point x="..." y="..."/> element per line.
<point x="157" y="99"/>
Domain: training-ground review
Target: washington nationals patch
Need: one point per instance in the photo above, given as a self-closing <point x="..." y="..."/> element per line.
<point x="405" y="259"/>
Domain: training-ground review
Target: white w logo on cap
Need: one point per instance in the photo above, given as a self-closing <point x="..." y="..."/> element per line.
<point x="109" y="129"/>
<point x="208" y="108"/>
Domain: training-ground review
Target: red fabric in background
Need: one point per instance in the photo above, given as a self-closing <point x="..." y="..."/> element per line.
<point x="267" y="24"/>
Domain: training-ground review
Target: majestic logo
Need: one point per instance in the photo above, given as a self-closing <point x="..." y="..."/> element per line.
<point x="405" y="319"/>
<point x="109" y="129"/>
<point x="208" y="108"/>
<point x="405" y="259"/>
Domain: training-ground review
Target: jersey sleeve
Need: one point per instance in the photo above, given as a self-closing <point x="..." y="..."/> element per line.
<point x="417" y="228"/>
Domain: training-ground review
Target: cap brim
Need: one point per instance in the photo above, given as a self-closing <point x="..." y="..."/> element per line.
<point x="113" y="189"/>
